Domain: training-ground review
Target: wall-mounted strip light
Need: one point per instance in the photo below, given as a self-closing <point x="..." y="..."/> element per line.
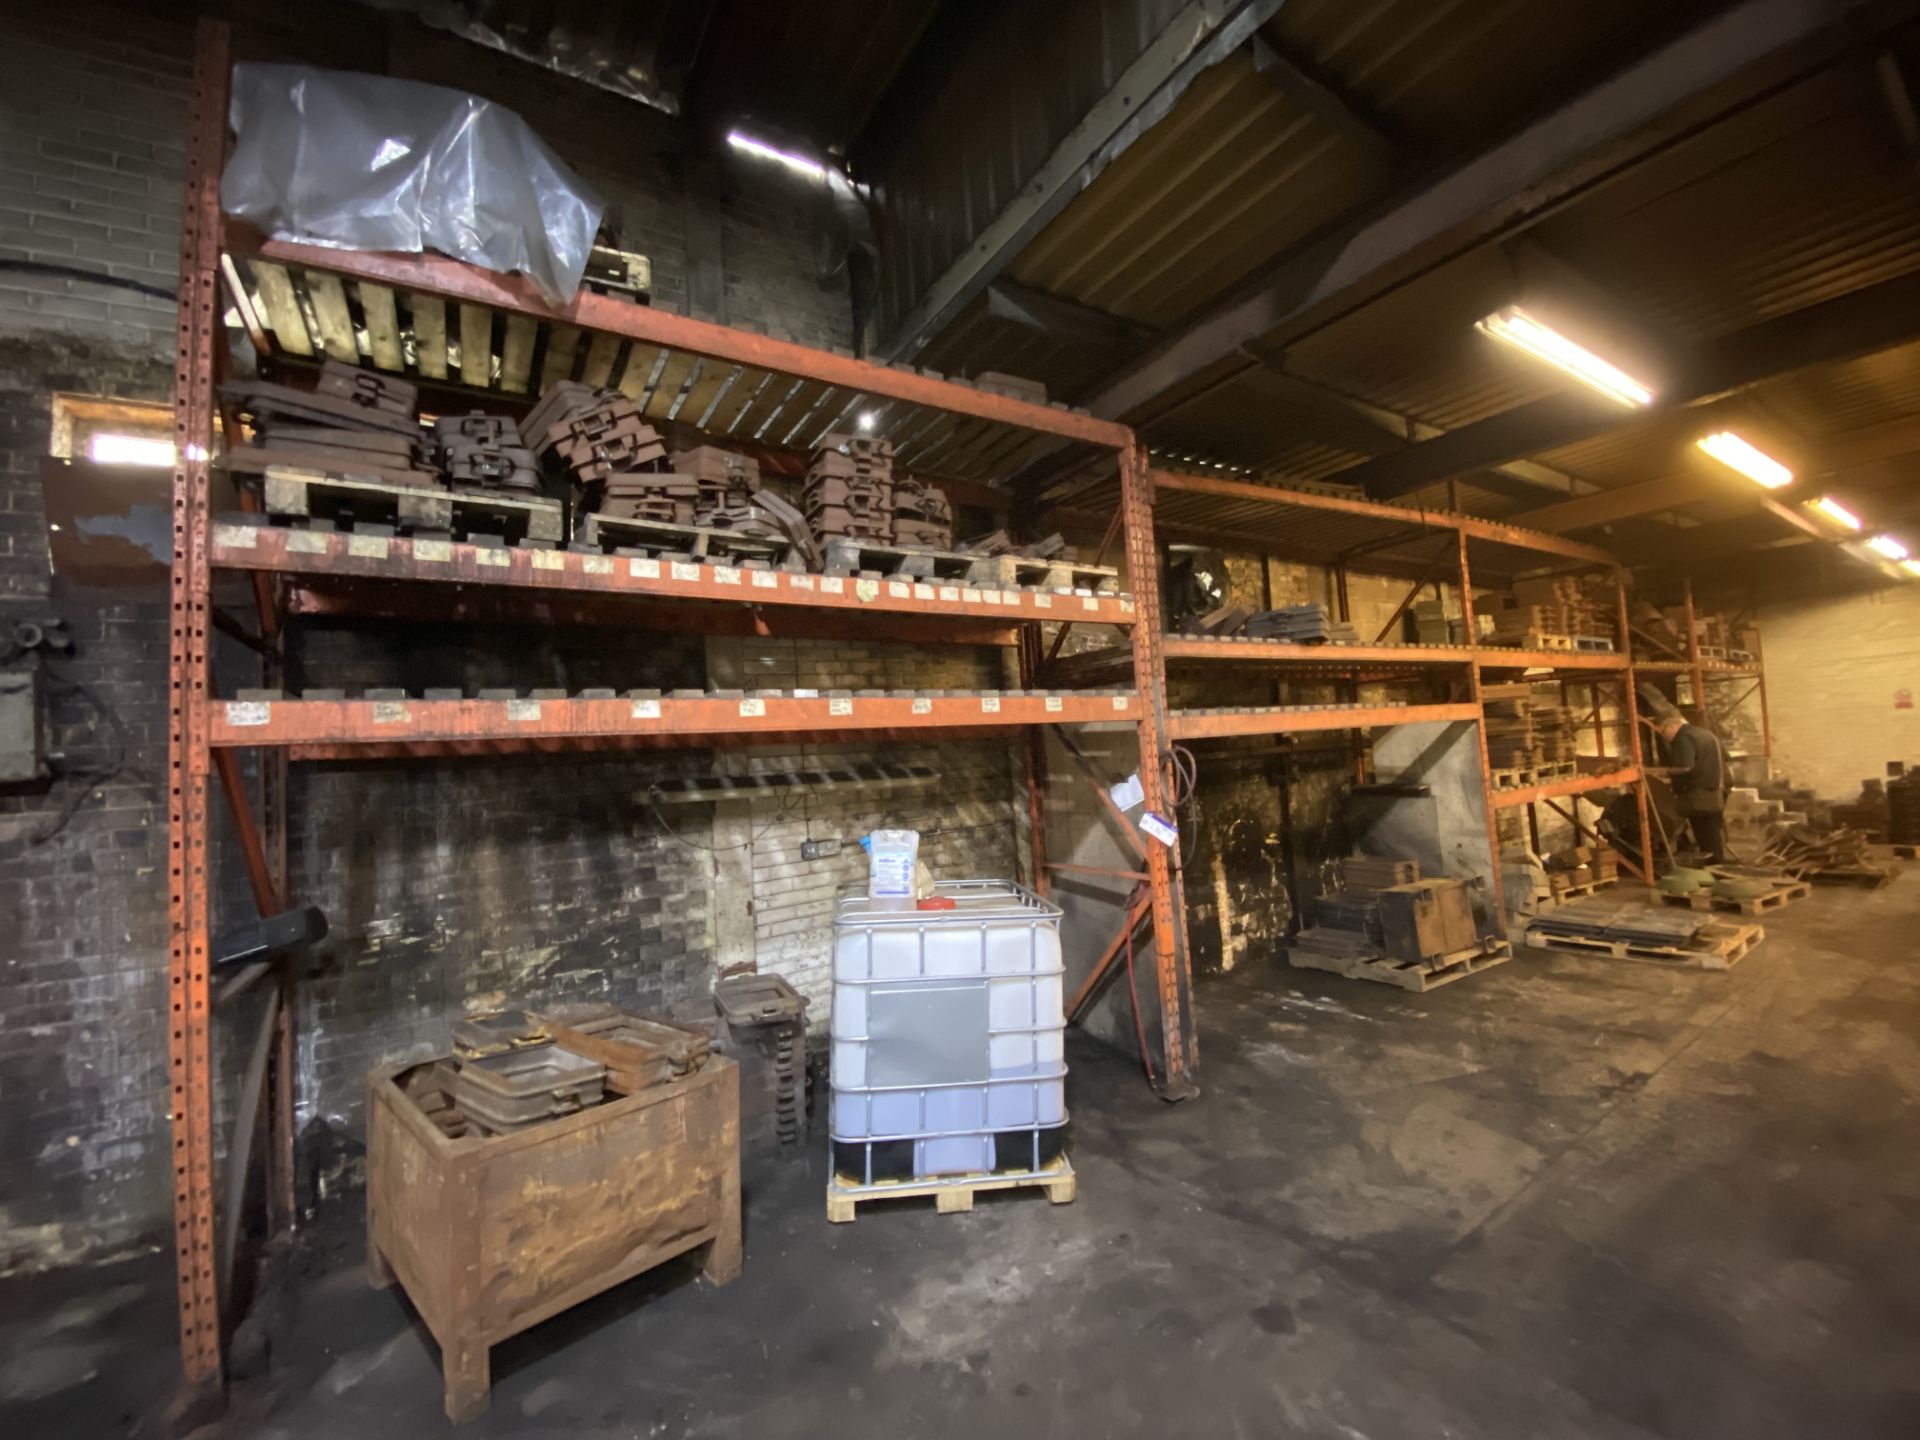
<point x="1736" y="454"/>
<point x="1886" y="547"/>
<point x="1836" y="512"/>
<point x="799" y="164"/>
<point x="1520" y="330"/>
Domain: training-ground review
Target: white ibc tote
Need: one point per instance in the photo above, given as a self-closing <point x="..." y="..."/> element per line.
<point x="948" y="1034"/>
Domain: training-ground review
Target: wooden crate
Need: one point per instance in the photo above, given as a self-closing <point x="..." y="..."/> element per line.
<point x="491" y="1236"/>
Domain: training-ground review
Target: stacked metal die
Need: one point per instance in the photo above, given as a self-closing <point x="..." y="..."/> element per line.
<point x="921" y="515"/>
<point x="849" y="489"/>
<point x="484" y="453"/>
<point x="617" y="460"/>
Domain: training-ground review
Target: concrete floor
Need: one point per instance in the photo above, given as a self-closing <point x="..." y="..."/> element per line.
<point x="1566" y="1198"/>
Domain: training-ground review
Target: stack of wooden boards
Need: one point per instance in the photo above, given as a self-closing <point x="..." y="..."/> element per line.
<point x="1558" y="612"/>
<point x="1529" y="734"/>
<point x="1719" y="637"/>
<point x="1382" y="922"/>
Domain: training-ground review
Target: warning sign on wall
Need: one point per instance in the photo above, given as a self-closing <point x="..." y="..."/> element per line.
<point x="1903" y="699"/>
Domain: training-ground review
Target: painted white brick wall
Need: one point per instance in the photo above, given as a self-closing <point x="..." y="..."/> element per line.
<point x="1834" y="671"/>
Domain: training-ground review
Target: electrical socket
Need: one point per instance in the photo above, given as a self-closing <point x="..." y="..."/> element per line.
<point x="818" y="849"/>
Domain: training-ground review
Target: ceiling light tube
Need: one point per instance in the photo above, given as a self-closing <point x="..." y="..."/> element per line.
<point x="1887" y="547"/>
<point x="1517" y="328"/>
<point x="1836" y="512"/>
<point x="1912" y="567"/>
<point x="1736" y="454"/>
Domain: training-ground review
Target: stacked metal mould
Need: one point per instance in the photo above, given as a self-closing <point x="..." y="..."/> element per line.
<point x="350" y="423"/>
<point x="617" y="460"/>
<point x="849" y="489"/>
<point x="948" y="1035"/>
<point x="922" y="515"/>
<point x="482" y="454"/>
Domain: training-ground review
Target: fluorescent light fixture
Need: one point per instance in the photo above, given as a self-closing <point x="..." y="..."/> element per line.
<point x="1520" y="330"/>
<point x="109" y="449"/>
<point x="1887" y="547"/>
<point x="799" y="164"/>
<point x="1736" y="454"/>
<point x="1912" y="567"/>
<point x="1836" y="512"/>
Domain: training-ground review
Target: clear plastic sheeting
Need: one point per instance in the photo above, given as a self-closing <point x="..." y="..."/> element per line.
<point x="363" y="162"/>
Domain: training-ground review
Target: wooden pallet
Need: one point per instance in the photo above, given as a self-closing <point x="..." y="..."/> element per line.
<point x="1716" y="947"/>
<point x="293" y="496"/>
<point x="1519" y="777"/>
<point x="1582" y="888"/>
<point x="850" y="555"/>
<point x="1534" y="640"/>
<point x="1418" y="976"/>
<point x="1866" y="877"/>
<point x="668" y="540"/>
<point x="1774" y="899"/>
<point x="1594" y="644"/>
<point x="952" y="1194"/>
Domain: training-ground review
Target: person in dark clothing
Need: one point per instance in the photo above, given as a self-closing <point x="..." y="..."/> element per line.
<point x="1699" y="778"/>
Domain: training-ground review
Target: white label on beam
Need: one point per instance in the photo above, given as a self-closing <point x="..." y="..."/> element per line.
<point x="367" y="547"/>
<point x="237" y="537"/>
<point x="249" y="712"/>
<point x="548" y="560"/>
<point x="644" y="569"/>
<point x="833" y="585"/>
<point x="922" y="705"/>
<point x="726" y="575"/>
<point x="523" y="710"/>
<point x="1055" y="705"/>
<point x="681" y="570"/>
<point x="646" y="709"/>
<point x="391" y="712"/>
<point x="839" y="705"/>
<point x="765" y="580"/>
<point x="486" y="555"/>
<point x="750" y="709"/>
<point x="436" y="552"/>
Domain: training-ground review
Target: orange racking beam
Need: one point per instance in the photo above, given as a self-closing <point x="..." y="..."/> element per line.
<point x="437" y="275"/>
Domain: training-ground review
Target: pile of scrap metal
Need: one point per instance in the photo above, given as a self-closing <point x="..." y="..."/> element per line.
<point x="617" y="461"/>
<point x="1841" y="856"/>
<point x="1634" y="924"/>
<point x="353" y="423"/>
<point x="848" y="491"/>
<point x="513" y="1069"/>
<point x="1310" y="624"/>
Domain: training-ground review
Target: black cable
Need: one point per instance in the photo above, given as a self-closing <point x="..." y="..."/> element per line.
<point x="89" y="778"/>
<point x="93" y="277"/>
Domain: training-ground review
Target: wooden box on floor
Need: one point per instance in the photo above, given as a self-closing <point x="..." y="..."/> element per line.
<point x="491" y="1236"/>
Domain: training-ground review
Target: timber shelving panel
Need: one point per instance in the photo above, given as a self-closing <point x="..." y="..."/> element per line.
<point x="470" y="335"/>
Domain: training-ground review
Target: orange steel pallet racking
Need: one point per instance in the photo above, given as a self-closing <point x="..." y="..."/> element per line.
<point x="1333" y="530"/>
<point x="748" y="388"/>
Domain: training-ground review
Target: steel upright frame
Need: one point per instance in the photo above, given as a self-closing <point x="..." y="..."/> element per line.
<point x="204" y="740"/>
<point x="1378" y="661"/>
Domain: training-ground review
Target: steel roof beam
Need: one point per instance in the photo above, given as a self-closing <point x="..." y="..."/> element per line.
<point x="1199" y="37"/>
<point x="1594" y="137"/>
<point x="1865" y="322"/>
<point x="1061" y="319"/>
<point x="1328" y="103"/>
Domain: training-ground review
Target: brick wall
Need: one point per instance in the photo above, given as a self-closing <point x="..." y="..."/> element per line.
<point x="92" y="104"/>
<point x="450" y="886"/>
